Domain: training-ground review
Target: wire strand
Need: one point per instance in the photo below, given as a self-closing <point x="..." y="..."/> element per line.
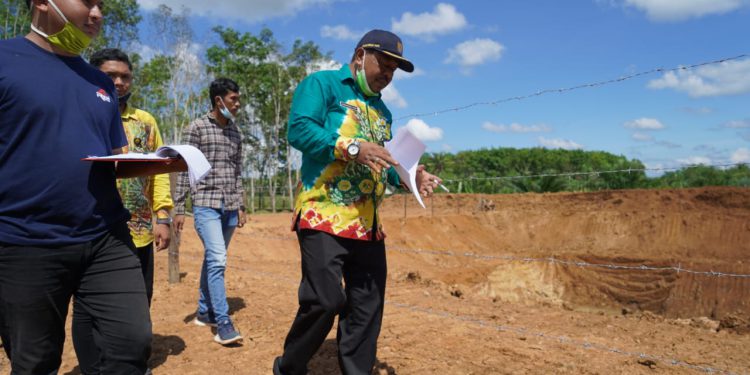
<point x="572" y="88"/>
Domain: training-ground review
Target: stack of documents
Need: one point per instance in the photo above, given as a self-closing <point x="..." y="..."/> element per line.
<point x="198" y="166"/>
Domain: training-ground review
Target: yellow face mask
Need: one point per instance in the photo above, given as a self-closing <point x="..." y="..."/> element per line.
<point x="70" y="38"/>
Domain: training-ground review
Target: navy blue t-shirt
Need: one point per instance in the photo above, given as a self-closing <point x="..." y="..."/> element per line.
<point x="55" y="110"/>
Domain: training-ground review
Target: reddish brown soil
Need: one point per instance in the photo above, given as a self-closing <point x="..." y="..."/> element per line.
<point x="501" y="284"/>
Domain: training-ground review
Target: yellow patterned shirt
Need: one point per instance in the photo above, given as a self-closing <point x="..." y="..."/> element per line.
<point x="143" y="195"/>
<point x="336" y="194"/>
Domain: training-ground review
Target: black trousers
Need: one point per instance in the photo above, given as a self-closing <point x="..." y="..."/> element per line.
<point x="326" y="260"/>
<point x="37" y="283"/>
<point x="86" y="339"/>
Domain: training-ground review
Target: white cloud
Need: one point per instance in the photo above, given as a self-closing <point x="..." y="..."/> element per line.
<point x="446" y="147"/>
<point x="644" y="123"/>
<point x="145" y="51"/>
<point x="393" y="97"/>
<point x="243" y="10"/>
<point x="423" y="131"/>
<point x="475" y="52"/>
<point x="443" y="20"/>
<point x="727" y="78"/>
<point x="695" y="160"/>
<point x="340" y="32"/>
<point x="400" y="74"/>
<point x="737" y="124"/>
<point x="559" y="143"/>
<point x="742" y="155"/>
<point x="642" y="137"/>
<point x="323" y="64"/>
<point x="678" y="10"/>
<point x="515" y="128"/>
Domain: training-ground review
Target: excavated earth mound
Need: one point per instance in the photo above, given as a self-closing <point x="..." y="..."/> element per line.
<point x="613" y="282"/>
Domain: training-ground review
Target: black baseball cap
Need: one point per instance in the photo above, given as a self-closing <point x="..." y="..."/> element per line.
<point x="387" y="43"/>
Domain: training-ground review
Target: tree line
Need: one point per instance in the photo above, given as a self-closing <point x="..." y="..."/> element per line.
<point x="511" y="170"/>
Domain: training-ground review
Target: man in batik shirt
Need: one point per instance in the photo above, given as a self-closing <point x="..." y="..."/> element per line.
<point x="340" y="123"/>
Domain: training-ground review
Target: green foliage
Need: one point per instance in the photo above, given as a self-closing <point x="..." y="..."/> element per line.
<point x="120" y="25"/>
<point x="705" y="176"/>
<point x="14" y="18"/>
<point x="479" y="169"/>
<point x="508" y="170"/>
<point x="151" y="85"/>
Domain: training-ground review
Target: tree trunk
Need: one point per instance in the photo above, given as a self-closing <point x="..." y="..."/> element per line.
<point x="173" y="260"/>
<point x="252" y="195"/>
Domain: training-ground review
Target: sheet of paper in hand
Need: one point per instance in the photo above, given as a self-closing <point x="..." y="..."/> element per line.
<point x="407" y="149"/>
<point x="198" y="166"/>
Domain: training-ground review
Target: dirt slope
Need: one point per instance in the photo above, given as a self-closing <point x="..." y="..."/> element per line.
<point x="578" y="283"/>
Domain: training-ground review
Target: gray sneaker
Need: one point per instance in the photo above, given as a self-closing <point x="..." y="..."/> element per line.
<point x="204" y="319"/>
<point x="226" y="334"/>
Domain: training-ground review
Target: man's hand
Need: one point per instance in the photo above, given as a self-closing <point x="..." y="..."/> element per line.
<point x="426" y="182"/>
<point x="242" y="219"/>
<point x="375" y="156"/>
<point x="161" y="236"/>
<point x="178" y="221"/>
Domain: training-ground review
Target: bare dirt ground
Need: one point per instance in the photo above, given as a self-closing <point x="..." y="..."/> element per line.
<point x="620" y="282"/>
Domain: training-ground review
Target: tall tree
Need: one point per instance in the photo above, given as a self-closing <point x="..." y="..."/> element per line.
<point x="15" y="18"/>
<point x="175" y="79"/>
<point x="120" y="26"/>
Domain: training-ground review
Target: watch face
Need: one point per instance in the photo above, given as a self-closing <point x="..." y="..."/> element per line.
<point x="353" y="149"/>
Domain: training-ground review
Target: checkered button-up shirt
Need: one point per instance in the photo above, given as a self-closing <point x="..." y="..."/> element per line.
<point x="222" y="146"/>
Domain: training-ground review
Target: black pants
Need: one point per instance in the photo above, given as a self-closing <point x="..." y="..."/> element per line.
<point x="86" y="339"/>
<point x="326" y="260"/>
<point x="36" y="285"/>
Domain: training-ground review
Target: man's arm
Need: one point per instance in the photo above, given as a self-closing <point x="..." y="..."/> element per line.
<point x="239" y="187"/>
<point x="306" y="124"/>
<point x="162" y="198"/>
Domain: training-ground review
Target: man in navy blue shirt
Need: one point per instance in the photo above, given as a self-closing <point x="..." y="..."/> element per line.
<point x="62" y="225"/>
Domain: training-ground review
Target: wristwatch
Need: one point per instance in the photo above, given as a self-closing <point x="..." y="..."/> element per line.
<point x="353" y="149"/>
<point x="164" y="220"/>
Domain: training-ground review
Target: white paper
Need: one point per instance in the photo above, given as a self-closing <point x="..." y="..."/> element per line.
<point x="198" y="166"/>
<point x="407" y="149"/>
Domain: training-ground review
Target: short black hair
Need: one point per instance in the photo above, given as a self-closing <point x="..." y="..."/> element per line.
<point x="221" y="87"/>
<point x="109" y="54"/>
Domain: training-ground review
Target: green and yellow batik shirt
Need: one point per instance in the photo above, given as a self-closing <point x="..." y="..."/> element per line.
<point x="336" y="194"/>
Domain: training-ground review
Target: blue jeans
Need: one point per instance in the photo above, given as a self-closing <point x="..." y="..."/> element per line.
<point x="215" y="228"/>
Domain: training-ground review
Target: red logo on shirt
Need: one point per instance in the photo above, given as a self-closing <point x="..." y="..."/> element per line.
<point x="103" y="96"/>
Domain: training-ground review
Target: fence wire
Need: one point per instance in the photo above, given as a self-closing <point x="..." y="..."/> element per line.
<point x="572" y="88"/>
<point x="551" y="260"/>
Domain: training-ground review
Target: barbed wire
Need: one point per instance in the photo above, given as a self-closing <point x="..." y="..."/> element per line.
<point x="552" y="260"/>
<point x="592" y="173"/>
<point x="521" y="331"/>
<point x="572" y="88"/>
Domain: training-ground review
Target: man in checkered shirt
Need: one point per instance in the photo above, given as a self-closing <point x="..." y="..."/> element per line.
<point x="218" y="204"/>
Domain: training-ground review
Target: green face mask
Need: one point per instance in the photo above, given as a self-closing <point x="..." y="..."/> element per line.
<point x="70" y="38"/>
<point x="362" y="79"/>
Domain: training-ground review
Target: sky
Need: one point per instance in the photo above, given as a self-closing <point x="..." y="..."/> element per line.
<point x="492" y="51"/>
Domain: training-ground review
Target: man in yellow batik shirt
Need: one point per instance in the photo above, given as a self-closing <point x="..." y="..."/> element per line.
<point x="144" y="197"/>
